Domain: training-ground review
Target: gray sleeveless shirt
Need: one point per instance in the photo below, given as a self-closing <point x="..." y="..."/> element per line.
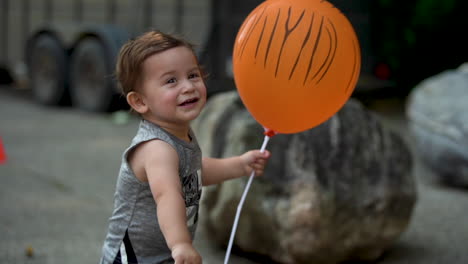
<point x="134" y="205"/>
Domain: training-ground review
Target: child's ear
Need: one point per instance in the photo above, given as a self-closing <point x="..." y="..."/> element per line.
<point x="136" y="101"/>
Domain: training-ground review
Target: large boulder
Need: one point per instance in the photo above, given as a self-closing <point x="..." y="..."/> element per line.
<point x="341" y="191"/>
<point x="437" y="112"/>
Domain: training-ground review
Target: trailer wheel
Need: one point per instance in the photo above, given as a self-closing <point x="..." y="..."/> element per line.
<point x="48" y="70"/>
<point x="91" y="86"/>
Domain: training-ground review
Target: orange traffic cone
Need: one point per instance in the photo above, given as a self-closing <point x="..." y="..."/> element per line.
<point x="3" y="156"/>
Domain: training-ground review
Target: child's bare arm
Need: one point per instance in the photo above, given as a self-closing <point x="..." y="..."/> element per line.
<point x="160" y="163"/>
<point x="218" y="170"/>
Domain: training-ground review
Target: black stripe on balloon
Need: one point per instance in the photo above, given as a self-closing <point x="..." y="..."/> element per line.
<point x="287" y="32"/>
<point x="249" y="33"/>
<point x="354" y="66"/>
<point x="271" y="38"/>
<point x="328" y="55"/>
<point x="334" y="51"/>
<point x="261" y="37"/>
<point x="314" y="50"/>
<point x="302" y="47"/>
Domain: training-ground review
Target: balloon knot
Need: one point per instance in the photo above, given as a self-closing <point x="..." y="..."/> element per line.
<point x="269" y="133"/>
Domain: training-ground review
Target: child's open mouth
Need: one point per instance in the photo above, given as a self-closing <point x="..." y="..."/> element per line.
<point x="189" y="102"/>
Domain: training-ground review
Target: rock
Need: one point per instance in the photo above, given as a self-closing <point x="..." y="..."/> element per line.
<point x="437" y="112"/>
<point x="341" y="191"/>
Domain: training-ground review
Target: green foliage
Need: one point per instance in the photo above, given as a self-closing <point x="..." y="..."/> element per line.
<point x="430" y="13"/>
<point x="419" y="38"/>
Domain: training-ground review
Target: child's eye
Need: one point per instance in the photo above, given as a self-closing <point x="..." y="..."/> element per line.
<point x="194" y="75"/>
<point x="171" y="80"/>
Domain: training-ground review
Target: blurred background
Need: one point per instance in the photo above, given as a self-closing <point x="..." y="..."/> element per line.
<point x="64" y="51"/>
<point x="63" y="124"/>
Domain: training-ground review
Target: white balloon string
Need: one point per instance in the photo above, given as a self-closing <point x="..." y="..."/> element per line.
<point x="241" y="203"/>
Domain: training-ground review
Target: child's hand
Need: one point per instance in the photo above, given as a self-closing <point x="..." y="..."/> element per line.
<point x="255" y="160"/>
<point x="185" y="253"/>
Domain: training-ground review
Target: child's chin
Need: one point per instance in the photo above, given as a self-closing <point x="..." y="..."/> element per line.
<point x="194" y="116"/>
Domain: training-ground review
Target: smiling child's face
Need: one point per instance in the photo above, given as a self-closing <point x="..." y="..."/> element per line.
<point x="172" y="87"/>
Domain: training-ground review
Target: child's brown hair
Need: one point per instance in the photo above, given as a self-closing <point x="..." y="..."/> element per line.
<point x="136" y="51"/>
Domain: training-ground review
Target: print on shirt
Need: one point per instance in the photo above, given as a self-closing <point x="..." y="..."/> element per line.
<point x="192" y="188"/>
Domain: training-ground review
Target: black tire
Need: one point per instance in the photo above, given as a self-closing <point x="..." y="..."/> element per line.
<point x="5" y="77"/>
<point x="48" y="70"/>
<point x="91" y="84"/>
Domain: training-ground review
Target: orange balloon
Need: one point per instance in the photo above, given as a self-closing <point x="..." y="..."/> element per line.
<point x="296" y="63"/>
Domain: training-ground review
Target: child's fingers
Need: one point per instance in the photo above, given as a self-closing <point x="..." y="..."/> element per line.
<point x="256" y="161"/>
<point x="261" y="155"/>
<point x="259" y="164"/>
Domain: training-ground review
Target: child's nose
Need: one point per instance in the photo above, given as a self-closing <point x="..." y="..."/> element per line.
<point x="188" y="86"/>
